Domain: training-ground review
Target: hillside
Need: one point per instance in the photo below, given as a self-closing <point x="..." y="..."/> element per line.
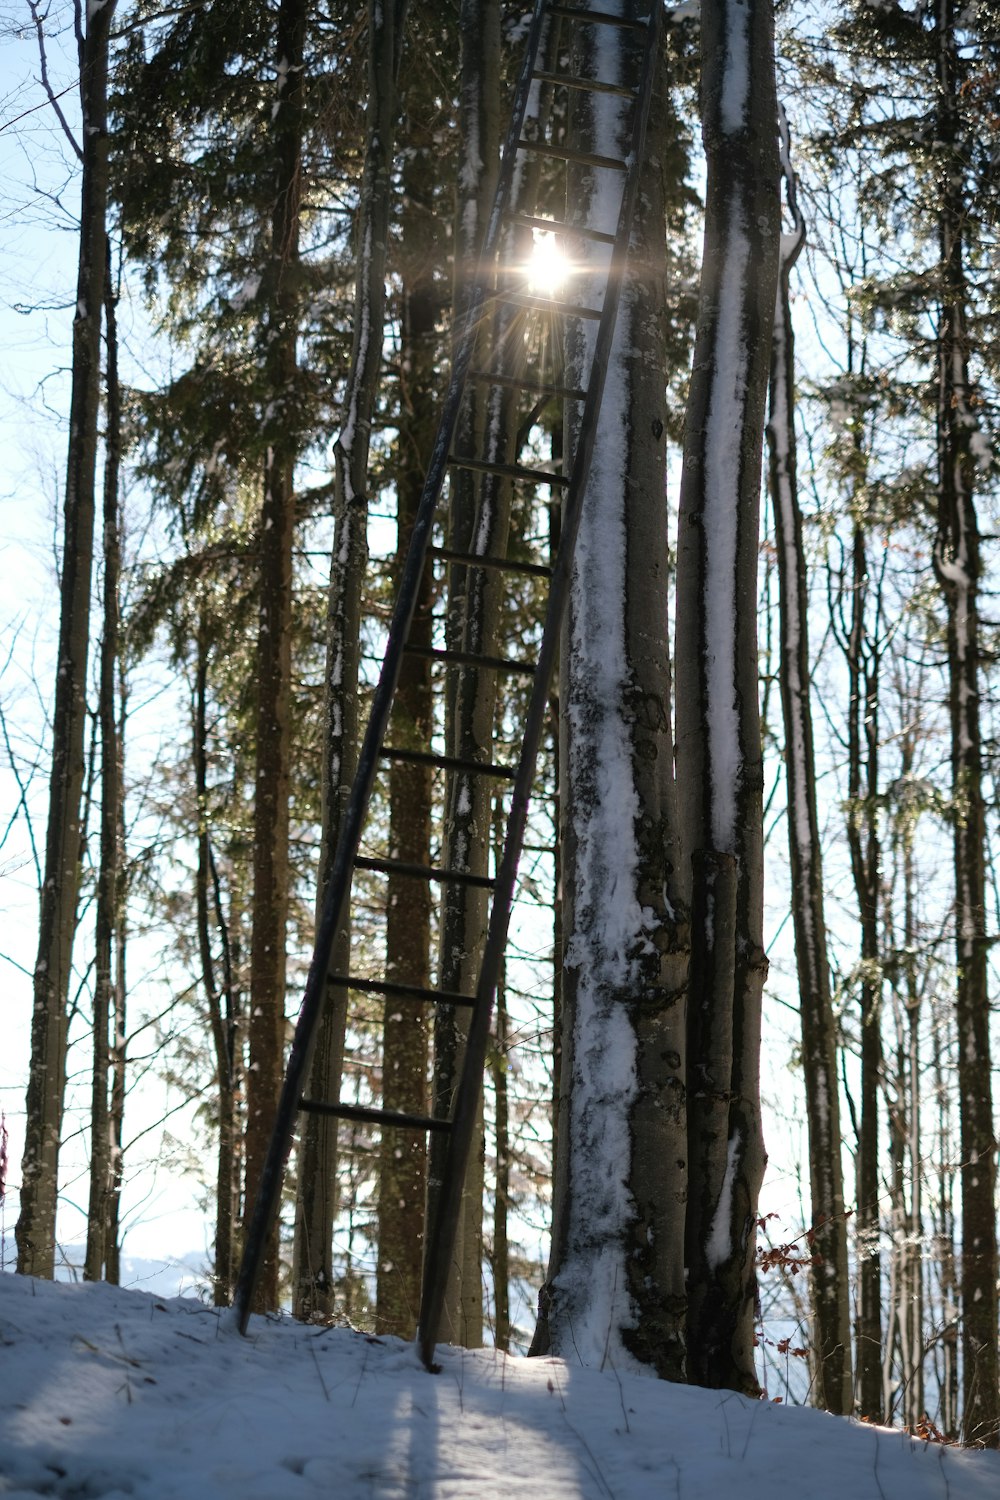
<point x="106" y="1394"/>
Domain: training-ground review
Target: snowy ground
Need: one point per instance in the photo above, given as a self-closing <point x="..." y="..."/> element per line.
<point x="106" y="1394"/>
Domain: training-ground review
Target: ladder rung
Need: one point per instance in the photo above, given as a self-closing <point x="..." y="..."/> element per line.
<point x="501" y="564"/>
<point x="423" y="872"/>
<point x="509" y="471"/>
<point x="547" y="304"/>
<point x="592" y="85"/>
<point x="599" y="17"/>
<point x="400" y="991"/>
<point x="558" y="226"/>
<point x="566" y="153"/>
<point x="448" y="762"/>
<point x="375" y="1116"/>
<point x="473" y="659"/>
<point x="537" y="387"/>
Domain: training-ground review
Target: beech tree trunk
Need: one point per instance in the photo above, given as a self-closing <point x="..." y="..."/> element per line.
<point x="35" y="1231"/>
<point x="831" y="1354"/>
<point x="615" y="1287"/>
<point x="266" y="1024"/>
<point x="719" y="768"/>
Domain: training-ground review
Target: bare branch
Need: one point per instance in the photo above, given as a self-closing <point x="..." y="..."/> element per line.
<point x="22" y="794"/>
<point x="53" y="98"/>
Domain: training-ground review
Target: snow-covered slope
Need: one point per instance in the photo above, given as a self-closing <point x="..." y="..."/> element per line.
<point x="107" y="1394"/>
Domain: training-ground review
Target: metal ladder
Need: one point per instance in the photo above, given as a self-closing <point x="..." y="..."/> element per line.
<point x="478" y="359"/>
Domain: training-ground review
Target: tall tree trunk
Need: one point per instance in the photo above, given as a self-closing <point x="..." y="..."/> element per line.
<point x="109" y="883"/>
<point x="864" y="842"/>
<point x="905" y="1124"/>
<point x="500" y="1256"/>
<point x="406" y="1026"/>
<point x="557" y="851"/>
<point x="719" y="768"/>
<point x="116" y="1108"/>
<point x="316" y="1208"/>
<point x="36" y="1226"/>
<point x="266" y="1024"/>
<point x="956" y="562"/>
<point x="615" y="1287"/>
<point x="219" y="993"/>
<point x="944" y="1234"/>
<point x="828" y="1233"/>
<point x="469" y="696"/>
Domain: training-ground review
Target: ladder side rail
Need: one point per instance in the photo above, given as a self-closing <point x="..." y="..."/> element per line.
<point x="335" y="901"/>
<point x="442" y="1235"/>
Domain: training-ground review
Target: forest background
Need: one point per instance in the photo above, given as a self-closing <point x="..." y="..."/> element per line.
<point x="867" y="309"/>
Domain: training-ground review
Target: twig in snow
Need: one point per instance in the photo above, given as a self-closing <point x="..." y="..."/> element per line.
<point x="944" y="1477"/>
<point x="319" y="1372"/>
<point x="595" y="1466"/>
<point x="361" y="1376"/>
<point x="875" y="1469"/>
<point x="572" y="1334"/>
<point x="753" y="1418"/>
<point x="607" y="1336"/>
<point x="729" y="1437"/>
<point x="621" y="1396"/>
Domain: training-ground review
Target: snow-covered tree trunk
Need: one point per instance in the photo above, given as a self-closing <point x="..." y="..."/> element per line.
<point x="317" y="1173"/>
<point x="831" y="1355"/>
<point x="719" y="768"/>
<point x="36" y="1226"/>
<point x="957" y="564"/>
<point x="615" y="1290"/>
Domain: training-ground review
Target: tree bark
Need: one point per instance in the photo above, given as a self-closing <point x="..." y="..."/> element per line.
<point x="615" y="1287"/>
<point x="905" y="1121"/>
<point x="471" y="622"/>
<point x="109" y="879"/>
<point x="865" y="845"/>
<point x="831" y="1355"/>
<point x="719" y="768"/>
<point x="957" y="565"/>
<point x="220" y="996"/>
<point x="316" y="1207"/>
<point x="266" y="1025"/>
<point x="407" y="1024"/>
<point x="36" y="1226"/>
<point x="500" y="1254"/>
<point x="119" y="1041"/>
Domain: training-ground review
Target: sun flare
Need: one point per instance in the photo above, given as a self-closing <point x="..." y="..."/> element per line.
<point x="548" y="265"/>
